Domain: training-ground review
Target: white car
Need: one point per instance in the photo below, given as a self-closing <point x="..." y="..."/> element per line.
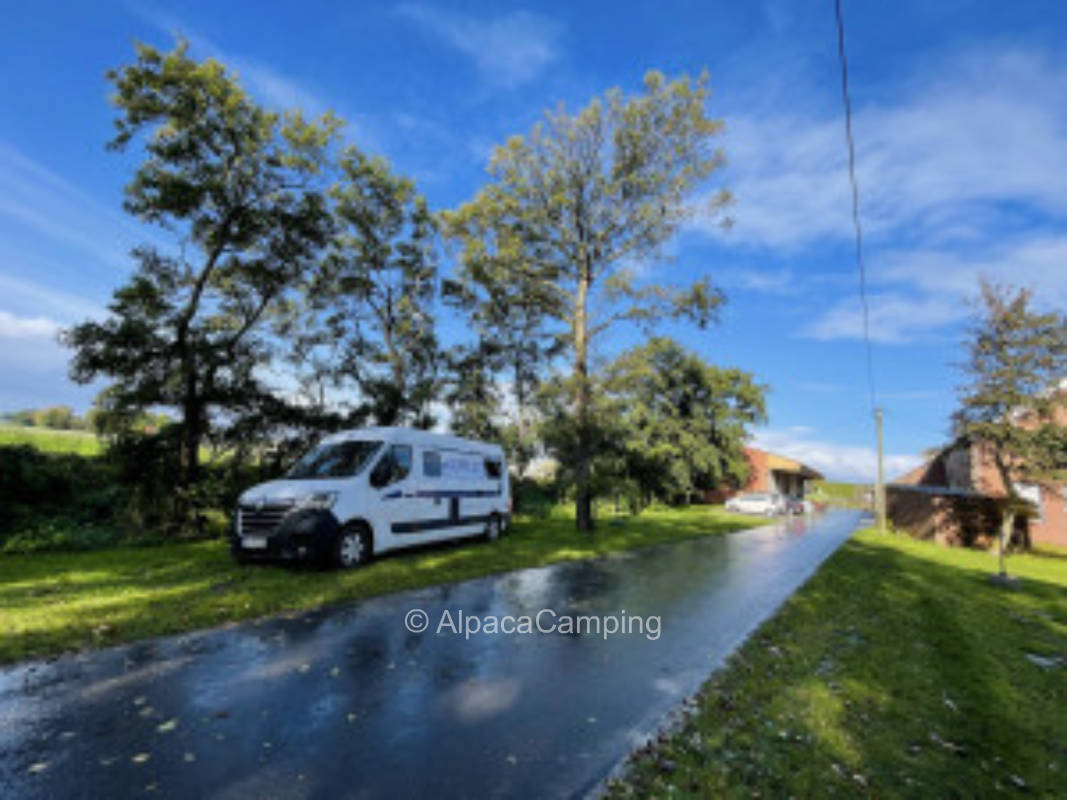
<point x="363" y="492"/>
<point x="767" y="504"/>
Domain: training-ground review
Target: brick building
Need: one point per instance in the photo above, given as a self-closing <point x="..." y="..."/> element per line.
<point x="956" y="496"/>
<point x="769" y="472"/>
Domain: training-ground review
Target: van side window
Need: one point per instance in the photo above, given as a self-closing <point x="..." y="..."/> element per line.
<point x="401" y="461"/>
<point x="431" y="464"/>
<point x="394" y="466"/>
<point x="492" y="468"/>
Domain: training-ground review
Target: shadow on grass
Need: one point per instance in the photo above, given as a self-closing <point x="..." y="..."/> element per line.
<point x="50" y="602"/>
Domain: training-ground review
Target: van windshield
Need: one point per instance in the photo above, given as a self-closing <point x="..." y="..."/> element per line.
<point x="334" y="460"/>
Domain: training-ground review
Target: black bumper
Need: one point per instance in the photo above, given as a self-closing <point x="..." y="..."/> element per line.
<point x="303" y="535"/>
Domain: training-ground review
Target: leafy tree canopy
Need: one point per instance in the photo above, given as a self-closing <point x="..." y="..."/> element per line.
<point x="237" y="190"/>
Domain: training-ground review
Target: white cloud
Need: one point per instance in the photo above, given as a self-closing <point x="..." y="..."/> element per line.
<point x="835" y="461"/>
<point x="766" y="281"/>
<point x="508" y="50"/>
<point x="990" y="133"/>
<point x="30" y="356"/>
<point x="962" y="176"/>
<point x="1035" y="261"/>
<point x="14" y="327"/>
<point x="894" y="318"/>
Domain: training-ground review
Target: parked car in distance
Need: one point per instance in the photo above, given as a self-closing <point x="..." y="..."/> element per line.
<point x="766" y="503"/>
<point x="364" y="492"/>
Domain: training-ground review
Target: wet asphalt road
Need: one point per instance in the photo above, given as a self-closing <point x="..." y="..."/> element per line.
<point x="347" y="703"/>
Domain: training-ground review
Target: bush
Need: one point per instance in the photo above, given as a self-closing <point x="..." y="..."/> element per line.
<point x="61" y="501"/>
<point x="42" y="535"/>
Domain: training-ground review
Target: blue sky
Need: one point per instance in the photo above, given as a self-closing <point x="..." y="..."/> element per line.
<point x="960" y="125"/>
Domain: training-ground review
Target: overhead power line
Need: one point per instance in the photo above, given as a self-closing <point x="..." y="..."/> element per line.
<point x="855" y="201"/>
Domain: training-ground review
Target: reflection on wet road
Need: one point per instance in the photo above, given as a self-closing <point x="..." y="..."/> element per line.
<point x="348" y="703"/>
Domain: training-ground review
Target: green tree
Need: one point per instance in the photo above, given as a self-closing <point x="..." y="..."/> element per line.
<point x="372" y="305"/>
<point x="571" y="208"/>
<point x="682" y="422"/>
<point x="55" y="417"/>
<point x="1017" y="357"/>
<point x="238" y="188"/>
<point x="512" y="311"/>
<point x="472" y="394"/>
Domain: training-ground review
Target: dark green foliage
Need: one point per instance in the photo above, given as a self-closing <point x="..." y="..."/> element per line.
<point x="236" y="186"/>
<point x="54" y="496"/>
<point x="681" y="422"/>
<point x="472" y="393"/>
<point x="1013" y="401"/>
<point x="370" y="325"/>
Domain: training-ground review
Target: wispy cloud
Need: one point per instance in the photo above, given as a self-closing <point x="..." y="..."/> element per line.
<point x="962" y="176"/>
<point x="29" y="298"/>
<point x="925" y="163"/>
<point x="508" y="50"/>
<point x="895" y="318"/>
<point x="14" y="327"/>
<point x="835" y="461"/>
<point x="274" y="87"/>
<point x="37" y="199"/>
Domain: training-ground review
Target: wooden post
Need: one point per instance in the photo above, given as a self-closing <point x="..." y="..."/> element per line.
<point x="879" y="488"/>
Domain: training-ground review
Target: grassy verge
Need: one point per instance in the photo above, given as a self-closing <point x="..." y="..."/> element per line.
<point x="897" y="671"/>
<point x="82" y="443"/>
<point x="51" y="602"/>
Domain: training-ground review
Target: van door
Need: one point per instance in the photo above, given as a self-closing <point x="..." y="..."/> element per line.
<point x="393" y="479"/>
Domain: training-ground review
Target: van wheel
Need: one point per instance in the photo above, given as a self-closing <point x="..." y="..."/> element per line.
<point x="353" y="546"/>
<point x="492" y="528"/>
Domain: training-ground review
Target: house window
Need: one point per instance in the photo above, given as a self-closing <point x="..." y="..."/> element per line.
<point x="1032" y="493"/>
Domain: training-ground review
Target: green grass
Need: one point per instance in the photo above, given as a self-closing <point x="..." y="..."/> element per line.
<point x="51" y="602"/>
<point x="47" y="440"/>
<point x="850" y="495"/>
<point x="897" y="671"/>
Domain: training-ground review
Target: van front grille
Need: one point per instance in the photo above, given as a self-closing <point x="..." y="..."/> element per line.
<point x="259" y="520"/>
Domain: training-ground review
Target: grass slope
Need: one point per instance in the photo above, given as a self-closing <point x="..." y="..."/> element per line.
<point x="897" y="671"/>
<point x="51" y="602"/>
<point x="52" y="441"/>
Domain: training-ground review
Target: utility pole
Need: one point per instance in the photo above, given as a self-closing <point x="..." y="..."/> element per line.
<point x="879" y="487"/>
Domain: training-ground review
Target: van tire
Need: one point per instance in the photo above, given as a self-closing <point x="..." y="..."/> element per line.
<point x="353" y="547"/>
<point x="492" y="528"/>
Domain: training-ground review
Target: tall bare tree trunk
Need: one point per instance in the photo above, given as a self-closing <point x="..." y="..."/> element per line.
<point x="1007" y="516"/>
<point x="1007" y="525"/>
<point x="191" y="416"/>
<point x="583" y="479"/>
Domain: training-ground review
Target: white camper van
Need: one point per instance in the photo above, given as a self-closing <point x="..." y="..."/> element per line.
<point x="364" y="492"/>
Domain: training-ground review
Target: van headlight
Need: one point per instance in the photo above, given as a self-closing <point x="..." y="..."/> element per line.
<point x="318" y="500"/>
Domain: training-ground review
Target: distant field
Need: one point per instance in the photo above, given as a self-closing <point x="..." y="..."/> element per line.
<point x="843" y="494"/>
<point x="52" y="441"/>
